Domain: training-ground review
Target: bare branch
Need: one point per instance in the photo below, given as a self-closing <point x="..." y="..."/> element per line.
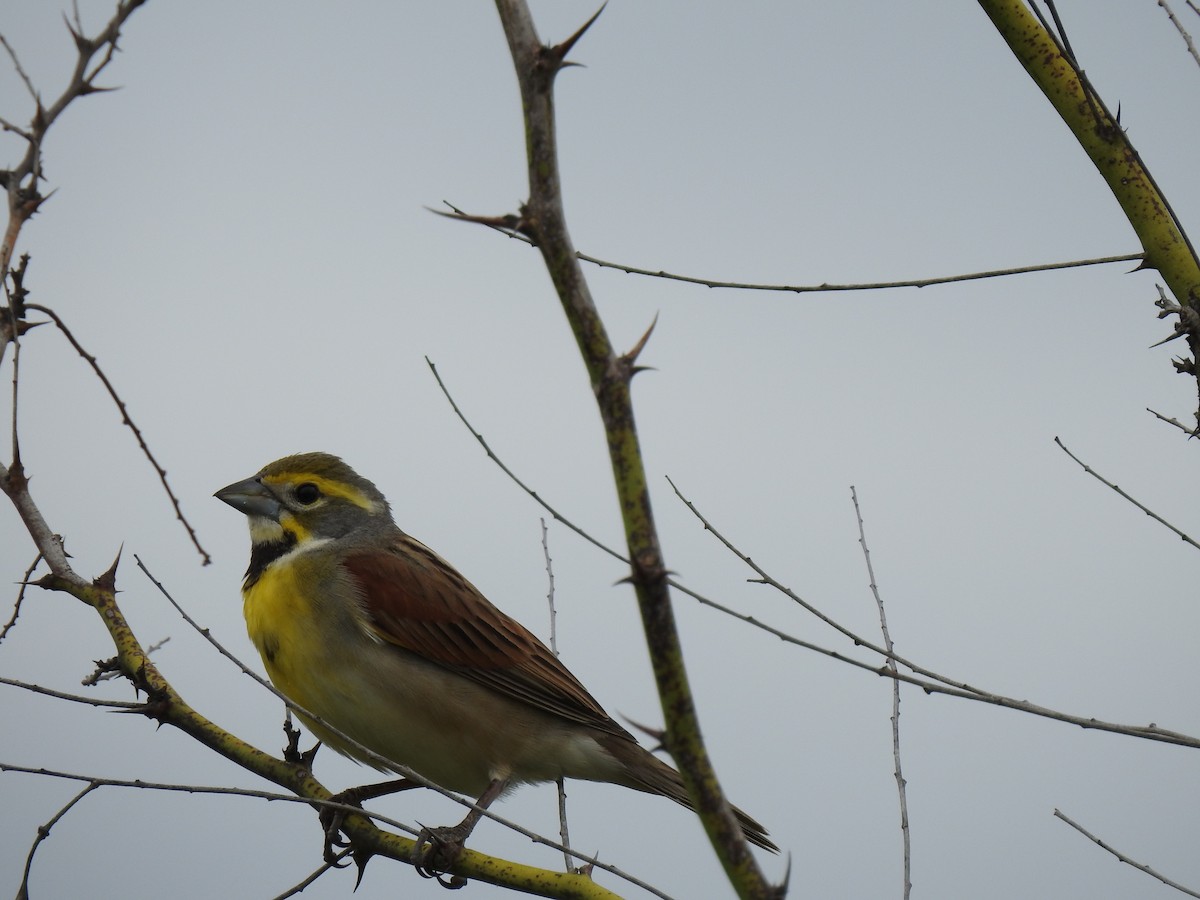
<point x="12" y="55"/>
<point x="22" y="180"/>
<point x="536" y="66"/>
<point x="332" y="865"/>
<point x="137" y="433"/>
<point x="43" y="832"/>
<point x="20" y="597"/>
<point x="1142" y="867"/>
<point x="564" y="832"/>
<point x="515" y="227"/>
<point x="901" y="784"/>
<point x="1151" y="513"/>
<point x="122" y="705"/>
<point x="1171" y="421"/>
<point x="599" y="894"/>
<point x="1187" y="38"/>
<point x="927" y="680"/>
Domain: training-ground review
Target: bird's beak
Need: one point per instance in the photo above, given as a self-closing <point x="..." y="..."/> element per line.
<point x="252" y="498"/>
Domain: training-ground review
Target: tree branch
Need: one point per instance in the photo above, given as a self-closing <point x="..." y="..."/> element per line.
<point x="544" y="220"/>
<point x="1053" y="66"/>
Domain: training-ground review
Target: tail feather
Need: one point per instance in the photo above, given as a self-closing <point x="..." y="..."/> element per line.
<point x="646" y="772"/>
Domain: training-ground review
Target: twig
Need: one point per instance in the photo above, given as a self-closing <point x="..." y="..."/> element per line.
<point x="332" y="865"/>
<point x="43" y="832"/>
<point x="766" y="579"/>
<point x="510" y="227"/>
<point x="123" y="705"/>
<point x="563" y="831"/>
<point x="1170" y="421"/>
<point x="557" y="516"/>
<point x="311" y="801"/>
<point x="20" y="597"/>
<point x="901" y="783"/>
<point x="12" y="55"/>
<point x="22" y="180"/>
<point x="1187" y="38"/>
<point x="112" y="392"/>
<point x="927" y="680"/>
<point x="1141" y="867"/>
<point x="1151" y="513"/>
<point x="930" y="682"/>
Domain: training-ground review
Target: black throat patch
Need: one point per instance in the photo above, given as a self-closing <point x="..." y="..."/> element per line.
<point x="262" y="555"/>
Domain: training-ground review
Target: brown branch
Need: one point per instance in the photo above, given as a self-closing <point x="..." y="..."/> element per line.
<point x="536" y="67"/>
<point x="125" y="419"/>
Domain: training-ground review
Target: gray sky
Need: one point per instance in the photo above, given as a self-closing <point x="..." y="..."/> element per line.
<point x="239" y="235"/>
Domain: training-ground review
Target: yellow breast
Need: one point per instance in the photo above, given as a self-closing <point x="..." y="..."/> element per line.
<point x="284" y="620"/>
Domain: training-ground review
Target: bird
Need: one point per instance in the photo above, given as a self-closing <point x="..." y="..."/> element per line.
<point x="377" y="636"/>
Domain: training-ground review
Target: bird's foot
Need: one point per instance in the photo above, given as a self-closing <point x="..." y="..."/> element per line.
<point x="331" y="819"/>
<point x="437" y="850"/>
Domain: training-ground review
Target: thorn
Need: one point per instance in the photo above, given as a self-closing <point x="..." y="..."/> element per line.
<point x="1179" y="332"/>
<point x="108" y="581"/>
<point x="508" y="222"/>
<point x="361" y="858"/>
<point x="631" y="357"/>
<point x="82" y="44"/>
<point x="657" y="734"/>
<point x="560" y="51"/>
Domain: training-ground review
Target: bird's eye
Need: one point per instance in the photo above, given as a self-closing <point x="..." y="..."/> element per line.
<point x="308" y="493"/>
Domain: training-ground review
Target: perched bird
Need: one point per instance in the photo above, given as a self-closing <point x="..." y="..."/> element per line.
<point x="384" y="640"/>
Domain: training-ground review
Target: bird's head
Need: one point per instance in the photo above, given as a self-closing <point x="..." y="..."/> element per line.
<point x="303" y="498"/>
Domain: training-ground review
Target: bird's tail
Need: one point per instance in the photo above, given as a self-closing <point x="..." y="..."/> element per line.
<point x="646" y="772"/>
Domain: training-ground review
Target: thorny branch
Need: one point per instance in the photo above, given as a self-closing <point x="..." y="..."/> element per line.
<point x="537" y="65"/>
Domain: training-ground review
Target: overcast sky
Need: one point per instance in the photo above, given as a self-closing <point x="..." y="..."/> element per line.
<point x="240" y="235"/>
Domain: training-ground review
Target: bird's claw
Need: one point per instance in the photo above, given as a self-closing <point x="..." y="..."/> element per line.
<point x="331" y="820"/>
<point x="438" y="849"/>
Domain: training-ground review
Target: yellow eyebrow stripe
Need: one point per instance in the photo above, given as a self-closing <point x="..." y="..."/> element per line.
<point x="327" y="486"/>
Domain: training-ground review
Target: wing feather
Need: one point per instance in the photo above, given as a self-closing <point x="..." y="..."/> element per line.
<point x="416" y="601"/>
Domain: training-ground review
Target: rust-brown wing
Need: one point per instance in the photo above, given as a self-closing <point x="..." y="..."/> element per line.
<point x="416" y="601"/>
